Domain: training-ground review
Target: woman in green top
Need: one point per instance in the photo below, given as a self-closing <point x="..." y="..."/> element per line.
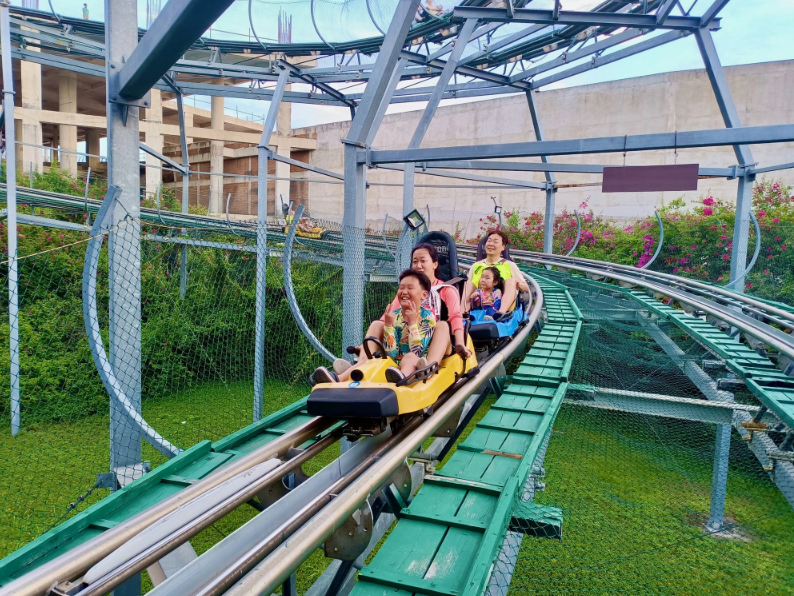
<point x="514" y="282"/>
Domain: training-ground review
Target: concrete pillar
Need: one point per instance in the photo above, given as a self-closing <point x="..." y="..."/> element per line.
<point x="188" y="124"/>
<point x="282" y="186"/>
<point x="31" y="129"/>
<point x="92" y="137"/>
<point x="217" y="201"/>
<point x="284" y="121"/>
<point x="67" y="102"/>
<point x="154" y="114"/>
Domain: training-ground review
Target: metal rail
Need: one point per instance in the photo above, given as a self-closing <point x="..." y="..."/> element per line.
<point x="659" y="245"/>
<point x="778" y="340"/>
<point x="94" y="336"/>
<point x="578" y="233"/>
<point x="769" y="311"/>
<point x="732" y="284"/>
<point x="72" y="564"/>
<point x="145" y="549"/>
<point x="283" y="559"/>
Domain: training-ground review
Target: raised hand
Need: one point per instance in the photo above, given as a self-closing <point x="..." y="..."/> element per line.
<point x="410" y="315"/>
<point x="389" y="317"/>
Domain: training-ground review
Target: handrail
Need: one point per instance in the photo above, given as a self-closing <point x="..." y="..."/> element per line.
<point x="578" y="233"/>
<point x="743" y="276"/>
<point x="293" y="303"/>
<point x="661" y="239"/>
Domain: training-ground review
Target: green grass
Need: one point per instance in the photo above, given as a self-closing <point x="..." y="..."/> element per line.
<point x="46" y="468"/>
<point x="635" y="493"/>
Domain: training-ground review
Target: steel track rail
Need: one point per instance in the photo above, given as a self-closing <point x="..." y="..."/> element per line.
<point x="278" y="555"/>
<point x="774" y="338"/>
<point x="761" y="308"/>
<point x="77" y="561"/>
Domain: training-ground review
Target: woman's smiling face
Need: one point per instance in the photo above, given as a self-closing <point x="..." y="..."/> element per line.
<point x="421" y="261"/>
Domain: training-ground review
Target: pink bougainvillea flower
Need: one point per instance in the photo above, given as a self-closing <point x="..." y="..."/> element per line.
<point x="708" y="201"/>
<point x="725" y="257"/>
<point x="761" y="213"/>
<point x="776" y="220"/>
<point x="783" y="247"/>
<point x="675" y="269"/>
<point x="766" y="271"/>
<point x="708" y="211"/>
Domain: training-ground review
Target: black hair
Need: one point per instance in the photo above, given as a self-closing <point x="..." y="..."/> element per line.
<point x="501" y="234"/>
<point x="431" y="250"/>
<point x="424" y="281"/>
<point x="497" y="278"/>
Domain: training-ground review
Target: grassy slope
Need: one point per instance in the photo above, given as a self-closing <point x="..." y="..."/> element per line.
<point x="635" y="492"/>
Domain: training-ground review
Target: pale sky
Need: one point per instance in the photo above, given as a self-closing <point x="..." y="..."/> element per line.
<point x="752" y="31"/>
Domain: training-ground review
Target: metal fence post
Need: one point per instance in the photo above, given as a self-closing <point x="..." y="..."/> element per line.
<point x="719" y="477"/>
<point x="11" y="199"/>
<point x="124" y="248"/>
<point x="261" y="244"/>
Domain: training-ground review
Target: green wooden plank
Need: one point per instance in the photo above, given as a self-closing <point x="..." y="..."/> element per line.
<point x="398" y="581"/>
<point x="450" y="521"/>
<point x="470" y="485"/>
<point x="481" y="566"/>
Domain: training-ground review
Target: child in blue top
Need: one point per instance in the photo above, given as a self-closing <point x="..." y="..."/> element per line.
<point x="488" y="296"/>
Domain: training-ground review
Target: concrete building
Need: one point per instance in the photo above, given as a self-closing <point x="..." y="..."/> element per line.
<point x="764" y="94"/>
<point x="56" y="109"/>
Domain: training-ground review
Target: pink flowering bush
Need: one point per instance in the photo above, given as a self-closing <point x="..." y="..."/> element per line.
<point x="698" y="238"/>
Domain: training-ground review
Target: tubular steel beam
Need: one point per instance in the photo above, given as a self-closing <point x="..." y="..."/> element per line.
<point x="712" y="11"/>
<point x="430" y="110"/>
<point x="664" y="11"/>
<point x="11" y="200"/>
<point x="568" y="168"/>
<point x="566" y="17"/>
<point x="124" y="242"/>
<point x="551" y="181"/>
<point x="598" y="61"/>
<point x="568" y="57"/>
<point x="354" y="215"/>
<point x="291" y="300"/>
<point x="746" y="181"/>
<point x="179" y="24"/>
<point x="261" y="244"/>
<point x="781" y="133"/>
<point x="473" y="177"/>
<point x="665" y="406"/>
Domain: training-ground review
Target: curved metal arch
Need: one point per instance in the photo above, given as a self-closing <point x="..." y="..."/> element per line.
<point x="293" y="304"/>
<point x="731" y="284"/>
<point x="105" y="369"/>
<point x="372" y="18"/>
<point x="317" y="30"/>
<point x="228" y="221"/>
<point x="661" y="240"/>
<point x="578" y="233"/>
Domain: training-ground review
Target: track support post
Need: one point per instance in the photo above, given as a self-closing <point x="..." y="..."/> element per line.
<point x="551" y="180"/>
<point x="261" y="243"/>
<point x="744" y="198"/>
